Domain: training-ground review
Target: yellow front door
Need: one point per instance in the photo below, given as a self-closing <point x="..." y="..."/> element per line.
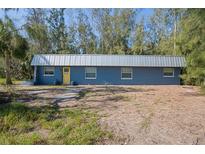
<point x="66" y="75"/>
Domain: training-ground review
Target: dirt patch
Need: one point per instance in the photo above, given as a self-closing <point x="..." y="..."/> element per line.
<point x="135" y="114"/>
<point x="150" y="114"/>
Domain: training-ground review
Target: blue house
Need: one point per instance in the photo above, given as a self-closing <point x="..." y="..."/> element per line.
<point x="84" y="69"/>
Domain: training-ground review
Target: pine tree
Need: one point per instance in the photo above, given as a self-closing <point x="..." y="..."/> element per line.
<point x="57" y="30"/>
<point x="139" y="39"/>
<point x="103" y="26"/>
<point x="86" y="38"/>
<point x="192" y="45"/>
<point x="72" y="37"/>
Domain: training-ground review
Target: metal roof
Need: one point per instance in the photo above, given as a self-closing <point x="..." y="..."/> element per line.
<point x="107" y="60"/>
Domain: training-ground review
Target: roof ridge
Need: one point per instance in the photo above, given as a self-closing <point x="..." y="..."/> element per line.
<point x="109" y="55"/>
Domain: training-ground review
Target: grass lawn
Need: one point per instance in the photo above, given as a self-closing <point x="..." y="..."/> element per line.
<point x="21" y="124"/>
<point x="3" y="80"/>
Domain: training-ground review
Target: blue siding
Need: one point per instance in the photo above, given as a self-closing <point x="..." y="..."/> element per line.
<point x="112" y="75"/>
<point x="49" y="80"/>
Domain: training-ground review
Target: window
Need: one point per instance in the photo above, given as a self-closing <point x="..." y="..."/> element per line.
<point x="90" y="73"/>
<point x="168" y="72"/>
<point x="126" y="73"/>
<point x="66" y="70"/>
<point x="49" y="71"/>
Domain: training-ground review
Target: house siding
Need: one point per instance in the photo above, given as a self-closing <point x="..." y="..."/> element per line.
<point x="111" y="75"/>
<point x="49" y="80"/>
<point x="140" y="76"/>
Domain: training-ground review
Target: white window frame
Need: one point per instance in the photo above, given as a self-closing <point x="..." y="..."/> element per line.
<point x="92" y="78"/>
<point x="168" y="76"/>
<point x="126" y="72"/>
<point x="44" y="70"/>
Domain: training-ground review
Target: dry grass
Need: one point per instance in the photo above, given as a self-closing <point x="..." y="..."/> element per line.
<point x="145" y="124"/>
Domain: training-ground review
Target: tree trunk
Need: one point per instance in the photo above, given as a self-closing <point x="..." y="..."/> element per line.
<point x="175" y="31"/>
<point x="7" y="68"/>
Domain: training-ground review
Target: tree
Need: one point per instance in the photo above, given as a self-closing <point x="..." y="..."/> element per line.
<point x="86" y="38"/>
<point x="139" y="39"/>
<point x="57" y="29"/>
<point x="192" y="45"/>
<point x="72" y="37"/>
<point x="157" y="30"/>
<point x="114" y="27"/>
<point x="123" y="24"/>
<point x="12" y="44"/>
<point x="37" y="31"/>
<point x="173" y="17"/>
<point x="163" y="30"/>
<point x="103" y="26"/>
